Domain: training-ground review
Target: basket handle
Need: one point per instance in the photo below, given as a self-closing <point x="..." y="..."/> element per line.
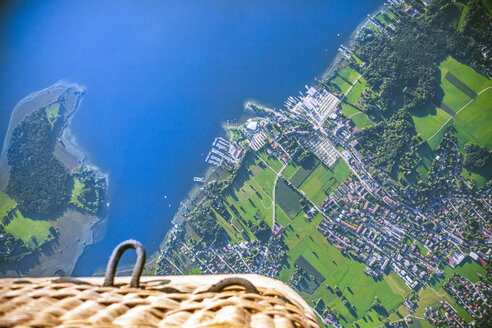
<point x="233" y="281"/>
<point x="115" y="258"/>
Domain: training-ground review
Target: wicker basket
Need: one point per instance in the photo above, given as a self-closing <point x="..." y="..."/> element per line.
<point x="164" y="301"/>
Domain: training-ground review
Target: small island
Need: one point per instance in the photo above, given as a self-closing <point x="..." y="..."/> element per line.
<point x="50" y="197"/>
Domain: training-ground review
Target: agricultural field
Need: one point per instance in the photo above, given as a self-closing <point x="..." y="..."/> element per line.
<point x="270" y="160"/>
<point x="341" y="84"/>
<point x="6" y="203"/>
<point x="348" y="74"/>
<point x="248" y="195"/>
<point x="355" y="93"/>
<point x="428" y="120"/>
<point x="380" y="17"/>
<point x="322" y="181"/>
<point x="349" y="110"/>
<point x="304" y="171"/>
<point x="288" y="199"/>
<point x="474" y="122"/>
<point x="453" y="97"/>
<point x="466" y="74"/>
<point x="342" y="271"/>
<point x="361" y="120"/>
<point x="32" y="232"/>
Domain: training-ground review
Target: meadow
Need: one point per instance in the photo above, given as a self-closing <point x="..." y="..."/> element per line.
<point x="428" y="120"/>
<point x="32" y="232"/>
<point x="349" y="74"/>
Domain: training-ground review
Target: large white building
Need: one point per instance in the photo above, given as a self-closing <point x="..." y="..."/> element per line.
<point x="315" y="105"/>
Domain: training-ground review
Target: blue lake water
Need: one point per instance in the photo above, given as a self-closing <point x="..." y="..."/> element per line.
<point x="161" y="77"/>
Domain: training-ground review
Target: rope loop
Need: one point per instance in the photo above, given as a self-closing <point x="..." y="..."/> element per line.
<point x="115" y="258"/>
<point x="233" y="281"/>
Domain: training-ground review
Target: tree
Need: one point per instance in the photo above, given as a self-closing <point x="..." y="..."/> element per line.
<point x="476" y="157"/>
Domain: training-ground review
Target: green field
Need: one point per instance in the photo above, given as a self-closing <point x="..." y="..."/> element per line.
<point x="287" y="198"/>
<point x="453" y="97"/>
<point x="355" y="93"/>
<point x="264" y="178"/>
<point x="249" y="194"/>
<point x="382" y="19"/>
<point x="348" y="74"/>
<point x="348" y="110"/>
<point x="429" y="297"/>
<point x="32" y="232"/>
<point x="474" y="122"/>
<point x="361" y="120"/>
<point x="342" y="271"/>
<point x="342" y="85"/>
<point x="462" y="17"/>
<point x="52" y="113"/>
<point x="76" y="191"/>
<point x="304" y="171"/>
<point x="270" y="160"/>
<point x="466" y="74"/>
<point x="6" y="204"/>
<point x="428" y="120"/>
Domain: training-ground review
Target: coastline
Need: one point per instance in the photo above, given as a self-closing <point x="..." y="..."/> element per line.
<point x="194" y="193"/>
<point x="350" y="42"/>
<point x="77" y="230"/>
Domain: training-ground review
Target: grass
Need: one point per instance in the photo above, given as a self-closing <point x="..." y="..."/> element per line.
<point x="381" y="18"/>
<point x="349" y="110"/>
<point x="429" y="297"/>
<point x="313" y="185"/>
<point x="6" y="204"/>
<point x="474" y="122"/>
<point x="348" y="74"/>
<point x="323" y="181"/>
<point x="307" y="166"/>
<point x="361" y="120"/>
<point x="357" y="59"/>
<point x="270" y="160"/>
<point x="428" y="120"/>
<point x="462" y="18"/>
<point x="372" y="27"/>
<point x="488" y="4"/>
<point x="341" y="84"/>
<point x="344" y="272"/>
<point x="355" y="93"/>
<point x="468" y="269"/>
<point x="453" y="97"/>
<point x="288" y="199"/>
<point x="76" y="191"/>
<point x="32" y="232"/>
<point x="265" y="179"/>
<point x="52" y="113"/>
<point x="466" y="74"/>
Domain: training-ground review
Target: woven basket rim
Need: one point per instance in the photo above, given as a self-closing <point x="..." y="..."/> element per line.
<point x="257" y="280"/>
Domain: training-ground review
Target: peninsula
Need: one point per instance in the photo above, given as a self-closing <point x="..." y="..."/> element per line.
<point x="50" y="197"/>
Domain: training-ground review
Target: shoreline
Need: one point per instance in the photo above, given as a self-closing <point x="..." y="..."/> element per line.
<point x="193" y="194"/>
<point x="350" y="41"/>
<point x="77" y="230"/>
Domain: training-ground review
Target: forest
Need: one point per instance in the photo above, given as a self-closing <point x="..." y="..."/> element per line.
<point x="387" y="140"/>
<point x="403" y="67"/>
<point x="38" y="180"/>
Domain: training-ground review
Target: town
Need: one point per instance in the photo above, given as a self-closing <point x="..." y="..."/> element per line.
<point x="306" y="179"/>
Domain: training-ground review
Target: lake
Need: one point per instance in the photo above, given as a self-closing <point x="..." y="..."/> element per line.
<point x="161" y="78"/>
